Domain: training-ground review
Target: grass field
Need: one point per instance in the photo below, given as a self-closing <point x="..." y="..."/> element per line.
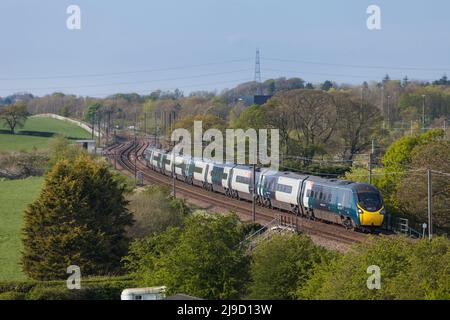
<point x="37" y="133"/>
<point x="15" y="195"/>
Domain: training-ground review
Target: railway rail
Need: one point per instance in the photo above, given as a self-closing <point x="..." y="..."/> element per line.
<point x="128" y="156"/>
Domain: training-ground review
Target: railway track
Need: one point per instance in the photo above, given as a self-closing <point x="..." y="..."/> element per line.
<point x="125" y="153"/>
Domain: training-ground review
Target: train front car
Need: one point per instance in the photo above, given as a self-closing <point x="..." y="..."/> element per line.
<point x="369" y="204"/>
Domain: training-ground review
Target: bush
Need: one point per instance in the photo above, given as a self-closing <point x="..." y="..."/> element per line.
<point x="281" y="264"/>
<point x="321" y="170"/>
<point x="154" y="210"/>
<point x="106" y="288"/>
<point x="19" y="165"/>
<point x="79" y="219"/>
<point x="409" y="270"/>
<point x="12" y="295"/>
<point x="204" y="259"/>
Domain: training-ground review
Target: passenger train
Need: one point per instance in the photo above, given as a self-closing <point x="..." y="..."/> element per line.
<point x="354" y="205"/>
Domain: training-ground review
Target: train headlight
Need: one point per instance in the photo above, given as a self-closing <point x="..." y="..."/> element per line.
<point x="360" y="211"/>
<point x="383" y="212"/>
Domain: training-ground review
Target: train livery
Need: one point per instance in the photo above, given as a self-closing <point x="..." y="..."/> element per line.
<point x="353" y="205"/>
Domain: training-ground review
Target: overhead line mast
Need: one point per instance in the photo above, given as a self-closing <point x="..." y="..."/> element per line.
<point x="258" y="73"/>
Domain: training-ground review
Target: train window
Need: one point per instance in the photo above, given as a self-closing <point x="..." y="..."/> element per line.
<point x="308" y="193"/>
<point x="224" y="176"/>
<point x="329" y="197"/>
<point x="284" y="188"/>
<point x="241" y="179"/>
<point x="198" y="169"/>
<point x="312" y="193"/>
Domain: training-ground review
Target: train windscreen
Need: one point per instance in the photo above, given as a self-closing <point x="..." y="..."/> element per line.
<point x="370" y="201"/>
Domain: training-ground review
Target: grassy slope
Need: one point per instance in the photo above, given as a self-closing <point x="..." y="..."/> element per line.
<point x="37" y="132"/>
<point x="14" y="197"/>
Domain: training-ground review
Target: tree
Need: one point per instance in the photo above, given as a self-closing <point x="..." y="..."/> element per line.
<point x="281" y="265"/>
<point x="252" y="117"/>
<point x="14" y="116"/>
<point x="79" y="219"/>
<point x="60" y="148"/>
<point x="204" y="259"/>
<point x="154" y="211"/>
<point x="327" y="85"/>
<point x="92" y="112"/>
<point x="312" y="117"/>
<point x="397" y="160"/>
<point x="437" y="102"/>
<point x="358" y="121"/>
<point x="412" y="193"/>
<point x="278" y="116"/>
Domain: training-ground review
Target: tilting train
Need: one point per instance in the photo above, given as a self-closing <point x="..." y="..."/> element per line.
<point x="353" y="205"/>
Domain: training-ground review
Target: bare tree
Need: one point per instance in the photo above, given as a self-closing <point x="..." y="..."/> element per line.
<point x="278" y="115"/>
<point x="311" y="116"/>
<point x="358" y="121"/>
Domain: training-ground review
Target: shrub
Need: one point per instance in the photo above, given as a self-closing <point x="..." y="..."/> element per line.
<point x="204" y="259"/>
<point x="12" y="295"/>
<point x="409" y="270"/>
<point x="281" y="264"/>
<point x="154" y="210"/>
<point x="105" y="288"/>
<point x="79" y="219"/>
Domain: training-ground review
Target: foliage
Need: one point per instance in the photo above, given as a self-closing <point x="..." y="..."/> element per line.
<point x="79" y="219"/>
<point x="317" y="169"/>
<point x="397" y="160"/>
<point x="154" y="210"/>
<point x="360" y="174"/>
<point x="437" y="102"/>
<point x="204" y="259"/>
<point x="11" y="295"/>
<point x="105" y="288"/>
<point x="359" y="121"/>
<point x="412" y="193"/>
<point x="281" y="265"/>
<point x="409" y="270"/>
<point x="252" y="117"/>
<point x="61" y="149"/>
<point x="91" y="114"/>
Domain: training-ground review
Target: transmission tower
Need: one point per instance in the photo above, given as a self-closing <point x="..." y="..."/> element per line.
<point x="258" y="73"/>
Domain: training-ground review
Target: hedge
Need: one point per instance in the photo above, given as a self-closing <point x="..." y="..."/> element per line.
<point x="91" y="289"/>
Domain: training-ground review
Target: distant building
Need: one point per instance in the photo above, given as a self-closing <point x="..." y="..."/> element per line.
<point x="261" y="99"/>
<point x="88" y="145"/>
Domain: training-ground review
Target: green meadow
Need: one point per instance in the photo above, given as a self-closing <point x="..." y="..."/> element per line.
<point x="37" y="133"/>
<point x="15" y="195"/>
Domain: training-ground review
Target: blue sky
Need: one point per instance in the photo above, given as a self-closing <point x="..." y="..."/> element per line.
<point x="210" y="44"/>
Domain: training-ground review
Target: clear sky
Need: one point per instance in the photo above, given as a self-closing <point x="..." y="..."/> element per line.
<point x="140" y="46"/>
